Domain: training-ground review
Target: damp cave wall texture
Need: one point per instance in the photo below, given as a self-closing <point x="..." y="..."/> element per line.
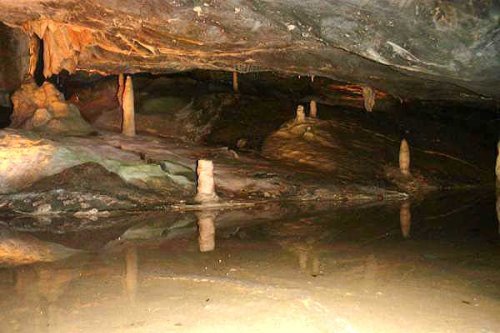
<point x="436" y="50"/>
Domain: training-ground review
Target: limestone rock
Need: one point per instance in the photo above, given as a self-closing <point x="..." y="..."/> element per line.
<point x="44" y="109"/>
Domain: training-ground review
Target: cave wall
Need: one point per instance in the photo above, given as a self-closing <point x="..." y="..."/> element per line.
<point x="14" y="61"/>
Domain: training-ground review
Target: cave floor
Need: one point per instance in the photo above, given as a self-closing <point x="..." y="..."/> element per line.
<point x="282" y="268"/>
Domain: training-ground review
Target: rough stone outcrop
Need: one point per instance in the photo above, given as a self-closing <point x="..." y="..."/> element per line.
<point x="44" y="109"/>
<point x="423" y="49"/>
<point x="347" y="151"/>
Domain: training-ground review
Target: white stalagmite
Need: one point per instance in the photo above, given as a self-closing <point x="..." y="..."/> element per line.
<point x="313" y="109"/>
<point x="131" y="268"/>
<point x="206" y="184"/>
<point x="121" y="88"/>
<point x="301" y="115"/>
<point x="236" y="87"/>
<point x="404" y="158"/>
<point x="405" y="218"/>
<point x="206" y="231"/>
<point x="128" y="120"/>
<point x="369" y="98"/>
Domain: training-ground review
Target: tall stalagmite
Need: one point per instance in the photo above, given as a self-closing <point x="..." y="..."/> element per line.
<point x="313" y="109"/>
<point x="300" y="117"/>
<point x="404" y="158"/>
<point x="128" y="120"/>
<point x="206" y="184"/>
<point x="497" y="169"/>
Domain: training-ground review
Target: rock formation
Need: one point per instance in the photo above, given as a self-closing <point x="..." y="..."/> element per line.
<point x="44" y="109"/>
<point x="313" y="109"/>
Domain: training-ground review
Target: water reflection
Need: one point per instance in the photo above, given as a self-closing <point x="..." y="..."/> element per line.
<point x="206" y="230"/>
<point x="131" y="272"/>
<point x="405" y="218"/>
<point x="266" y="259"/>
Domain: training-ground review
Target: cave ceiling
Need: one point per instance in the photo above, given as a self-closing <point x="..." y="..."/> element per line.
<point x="446" y="50"/>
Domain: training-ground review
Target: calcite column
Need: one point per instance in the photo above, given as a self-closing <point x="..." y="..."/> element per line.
<point x="313" y="109"/>
<point x="206" y="184"/>
<point x="128" y="120"/>
<point x="404" y="158"/>
<point x="235" y="82"/>
<point x="300" y="117"/>
<point x="206" y="230"/>
<point x="405" y="218"/>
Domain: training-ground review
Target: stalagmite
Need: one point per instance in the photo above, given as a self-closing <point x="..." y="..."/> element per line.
<point x="235" y="82"/>
<point x="404" y="158"/>
<point x="301" y="115"/>
<point x="497" y="168"/>
<point x="498" y="209"/>
<point x="128" y="121"/>
<point x="405" y="218"/>
<point x="313" y="109"/>
<point x="206" y="184"/>
<point x="206" y="230"/>
<point x="131" y="272"/>
<point x="369" y="98"/>
<point x="121" y="88"/>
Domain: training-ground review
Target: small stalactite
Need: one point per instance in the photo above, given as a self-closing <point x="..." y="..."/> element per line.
<point x="121" y="88"/>
<point x="206" y="184"/>
<point x="405" y="219"/>
<point x="369" y="98"/>
<point x="128" y="121"/>
<point x="131" y="272"/>
<point x="313" y="109"/>
<point x="206" y="231"/>
<point x="404" y="158"/>
<point x="236" y="87"/>
<point x="300" y="116"/>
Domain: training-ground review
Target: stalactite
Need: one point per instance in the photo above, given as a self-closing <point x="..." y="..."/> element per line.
<point x="128" y="121"/>
<point x="405" y="218"/>
<point x="369" y="98"/>
<point x="301" y="115"/>
<point x="313" y="109"/>
<point x="121" y="88"/>
<point x="34" y="49"/>
<point x="404" y="158"/>
<point x="235" y="82"/>
<point x="206" y="184"/>
<point x="206" y="231"/>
